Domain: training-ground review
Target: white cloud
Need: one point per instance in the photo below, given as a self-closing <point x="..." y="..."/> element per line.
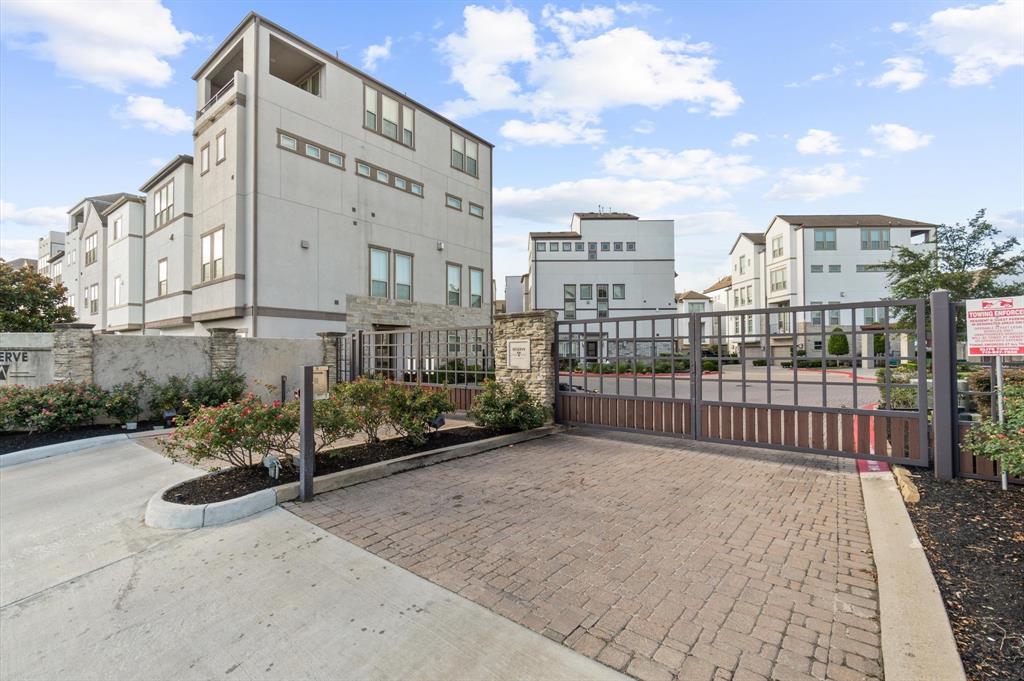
<point x="154" y="114"/>
<point x="818" y="142"/>
<point x="836" y="71"/>
<point x="896" y="137"/>
<point x="898" y="26"/>
<point x="644" y="127"/>
<point x="866" y="152"/>
<point x="828" y="180"/>
<point x="552" y="133"/>
<point x="982" y="41"/>
<point x="50" y="217"/>
<point x="639" y="8"/>
<point x="11" y="249"/>
<point x="906" y="73"/>
<point x="108" y="44"/>
<point x="742" y="139"/>
<point x="374" y="54"/>
<point x="503" y="63"/>
<point x="691" y="165"/>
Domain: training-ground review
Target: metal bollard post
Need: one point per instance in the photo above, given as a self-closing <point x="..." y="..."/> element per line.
<point x="307" y="462"/>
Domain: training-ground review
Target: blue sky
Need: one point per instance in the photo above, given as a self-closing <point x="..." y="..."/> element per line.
<point x="717" y="115"/>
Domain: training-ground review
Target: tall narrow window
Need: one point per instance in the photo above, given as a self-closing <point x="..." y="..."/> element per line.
<point x="161" y="277"/>
<point x="777" y="246"/>
<point x="403" y="276"/>
<point x="476" y="287"/>
<point x="204" y="159"/>
<point x="163" y="204"/>
<point x="117" y="290"/>
<point x="408" y="123"/>
<point x="94" y="298"/>
<point x="222" y="146"/>
<point x="471" y="157"/>
<point x="370" y="117"/>
<point x="118" y="229"/>
<point x="454" y="284"/>
<point x="602" y="300"/>
<point x="90" y="249"/>
<point x="389" y="117"/>
<point x="569" y="301"/>
<point x="212" y="247"/>
<point x="458" y="151"/>
<point x="379" y="275"/>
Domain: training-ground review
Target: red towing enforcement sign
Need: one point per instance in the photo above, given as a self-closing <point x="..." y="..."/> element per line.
<point x="995" y="326"/>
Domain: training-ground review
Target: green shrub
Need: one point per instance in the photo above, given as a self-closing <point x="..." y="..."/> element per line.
<point x="367" y="402"/>
<point x="238" y="433"/>
<point x="1002" y="442"/>
<point x="709" y="365"/>
<point x="508" y="406"/>
<point x="123" y="402"/>
<point x="173" y="394"/>
<point x="227" y="385"/>
<point x="410" y="410"/>
<point x="981" y="382"/>
<point x="760" y="362"/>
<point x="838" y="343"/>
<point x="58" y="406"/>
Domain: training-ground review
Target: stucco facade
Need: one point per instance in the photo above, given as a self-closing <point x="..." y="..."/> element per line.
<point x="123" y="281"/>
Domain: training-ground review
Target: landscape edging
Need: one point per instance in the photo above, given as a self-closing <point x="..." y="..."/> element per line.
<point x="917" y="639"/>
<point x="169" y="515"/>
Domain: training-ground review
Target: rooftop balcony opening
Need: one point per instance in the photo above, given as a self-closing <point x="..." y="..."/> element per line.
<point x="294" y="66"/>
<point x="222" y="79"/>
<point x="920" y="236"/>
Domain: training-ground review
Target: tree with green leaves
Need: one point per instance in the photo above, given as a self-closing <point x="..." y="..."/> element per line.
<point x="29" y="301"/>
<point x="838" y="343"/>
<point x="969" y="261"/>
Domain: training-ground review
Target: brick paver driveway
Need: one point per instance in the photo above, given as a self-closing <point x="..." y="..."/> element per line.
<point x="658" y="557"/>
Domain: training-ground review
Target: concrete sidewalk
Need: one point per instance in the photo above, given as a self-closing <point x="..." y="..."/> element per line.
<point x="269" y="597"/>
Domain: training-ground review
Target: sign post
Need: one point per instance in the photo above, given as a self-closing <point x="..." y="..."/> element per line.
<point x="995" y="328"/>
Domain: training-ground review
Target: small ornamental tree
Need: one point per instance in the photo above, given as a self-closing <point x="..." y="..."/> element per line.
<point x="838" y="345"/>
<point x="1002" y="442"/>
<point x="29" y="301"/>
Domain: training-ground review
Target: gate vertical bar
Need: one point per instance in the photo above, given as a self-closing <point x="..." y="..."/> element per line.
<point x="696" y="368"/>
<point x="944" y="380"/>
<point x="922" y="380"/>
<point x="306" y="458"/>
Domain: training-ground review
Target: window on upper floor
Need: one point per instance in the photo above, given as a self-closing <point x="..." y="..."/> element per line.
<point x="580" y="246"/>
<point x="454" y="284"/>
<point x="313" y="151"/>
<point x="403" y="276"/>
<point x="834" y="316"/>
<point x="163" y="204"/>
<point x="380" y="274"/>
<point x="161" y="277"/>
<point x="816" y="269"/>
<point x="287" y="141"/>
<point x="606" y="246"/>
<point x="476" y="287"/>
<point x="876" y="267"/>
<point x="222" y="146"/>
<point x="566" y="246"/>
<point x="586" y="291"/>
<point x="465" y="154"/>
<point x="630" y="245"/>
<point x="777" y="246"/>
<point x="117" y="291"/>
<point x="695" y="307"/>
<point x="617" y="246"/>
<point x="211" y="248"/>
<point x="874" y="239"/>
<point x="295" y="66"/>
<point x="824" y="239"/>
<point x="204" y="159"/>
<point x="602" y="301"/>
<point x="94" y="299"/>
<point x="118" y="228"/>
<point x="476" y="210"/>
<point x="835" y="269"/>
<point x="569" y="301"/>
<point x="455" y="203"/>
<point x="743" y="264"/>
<point x="387" y="116"/>
<point x="90" y="248"/>
<point x="618" y="291"/>
<point x="541" y="246"/>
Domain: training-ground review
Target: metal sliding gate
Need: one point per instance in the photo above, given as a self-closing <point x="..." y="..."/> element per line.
<point x="845" y="379"/>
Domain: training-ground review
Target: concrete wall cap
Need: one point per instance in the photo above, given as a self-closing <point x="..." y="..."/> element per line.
<point x="72" y="325"/>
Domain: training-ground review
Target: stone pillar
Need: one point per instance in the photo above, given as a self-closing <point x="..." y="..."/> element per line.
<point x="72" y="353"/>
<point x="330" y="340"/>
<point x="223" y="350"/>
<point x="539" y="329"/>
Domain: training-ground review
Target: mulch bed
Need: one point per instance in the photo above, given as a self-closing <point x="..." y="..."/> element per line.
<point x="236" y="482"/>
<point x="973" y="534"/>
<point x="17" y="441"/>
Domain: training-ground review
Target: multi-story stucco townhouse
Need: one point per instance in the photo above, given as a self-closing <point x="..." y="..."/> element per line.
<point x="51" y="248"/>
<point x="747" y="290"/>
<point x="122" y="283"/>
<point x="326" y="200"/>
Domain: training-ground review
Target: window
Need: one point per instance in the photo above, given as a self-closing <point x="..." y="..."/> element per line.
<point x="476" y="210"/>
<point x="453" y="202"/>
<point x="363" y="169"/>
<point x="118" y="229"/>
<point x="379" y="274"/>
<point x="817" y="269"/>
<point x="569" y="301"/>
<point x="464" y="154"/>
<point x="777" y="246"/>
<point x="370" y="117"/>
<point x="212" y="250"/>
<point x="602" y="301"/>
<point x="566" y="246"/>
<point x="873" y="314"/>
<point x="56" y="273"/>
<point x="71" y="299"/>
<point x="161" y="277"/>
<point x="617" y="246"/>
<point x="750" y="323"/>
<point x="383" y="176"/>
<point x="580" y="246"/>
<point x="403" y="276"/>
<point x="117" y="290"/>
<point x="778" y="280"/>
<point x="476" y="287"/>
<point x="824" y="239"/>
<point x="401" y="183"/>
<point x="743" y="264"/>
<point x="287" y="141"/>
<point x="630" y="245"/>
<point x="90" y="249"/>
<point x="204" y="159"/>
<point x="833" y="315"/>
<point x="222" y="146"/>
<point x="542" y="247"/>
<point x="163" y="204"/>
<point x="94" y="299"/>
<point x="878" y="267"/>
<point x="586" y="291"/>
<point x="816" y="315"/>
<point x="605" y="246"/>
<point x="335" y="159"/>
<point x="618" y="291"/>
<point x="454" y="284"/>
<point x="313" y="151"/>
<point x="750" y="293"/>
<point x="311" y="83"/>
<point x="695" y="307"/>
<point x="408" y="120"/>
<point x="416" y="189"/>
<point x="736" y="298"/>
<point x="389" y="117"/>
<point x="834" y="269"/>
<point x="72" y="257"/>
<point x="874" y="239"/>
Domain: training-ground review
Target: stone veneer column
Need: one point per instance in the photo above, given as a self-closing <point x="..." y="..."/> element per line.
<point x="539" y="329"/>
<point x="223" y="350"/>
<point x="72" y="353"/>
<point x="330" y="340"/>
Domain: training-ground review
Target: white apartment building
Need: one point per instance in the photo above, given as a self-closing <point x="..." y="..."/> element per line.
<point x="51" y="247"/>
<point x="515" y="293"/>
<point x="327" y="200"/>
<point x="123" y="281"/>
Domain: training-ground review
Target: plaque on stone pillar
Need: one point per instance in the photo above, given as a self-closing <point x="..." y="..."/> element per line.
<point x="519" y="353"/>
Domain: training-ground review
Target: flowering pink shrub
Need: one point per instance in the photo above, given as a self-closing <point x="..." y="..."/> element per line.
<point x="58" y="406"/>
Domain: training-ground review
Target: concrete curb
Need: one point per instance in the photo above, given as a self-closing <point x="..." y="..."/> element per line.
<point x="46" y="451"/>
<point x="169" y="515"/>
<point x="917" y="640"/>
